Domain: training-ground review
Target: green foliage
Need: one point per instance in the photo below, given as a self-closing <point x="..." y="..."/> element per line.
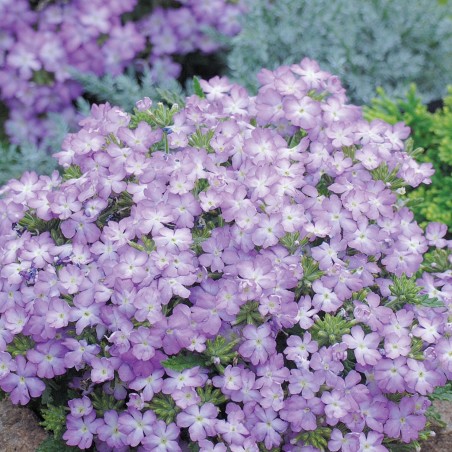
<point x="317" y="438"/>
<point x="443" y="393"/>
<point x="53" y="444"/>
<point x="367" y="43"/>
<point x="20" y="345"/>
<point x="330" y="329"/>
<point x="197" y="88"/>
<point x="291" y="241"/>
<point x="164" y="407"/>
<point x="311" y="273"/>
<point x="159" y="116"/>
<point x="249" y="314"/>
<point x="388" y="177"/>
<point x="117" y="209"/>
<point x="199" y="235"/>
<point x="54" y="419"/>
<point x="148" y="245"/>
<point x="220" y="352"/>
<point x="103" y="402"/>
<point x="400" y="447"/>
<point x="432" y="132"/>
<point x="405" y="290"/>
<point x="72" y="172"/>
<point x="36" y="225"/>
<point x="178" y="363"/>
<point x="294" y="140"/>
<point x="201" y="141"/>
<point x="210" y="395"/>
<point x="436" y="261"/>
<point x="14" y="160"/>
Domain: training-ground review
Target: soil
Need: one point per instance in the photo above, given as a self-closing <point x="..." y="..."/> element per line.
<point x="443" y="440"/>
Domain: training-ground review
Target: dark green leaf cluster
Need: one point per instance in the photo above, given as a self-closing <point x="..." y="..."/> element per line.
<point x="219" y="352"/>
<point x="20" y="345"/>
<point x="443" y="393"/>
<point x="54" y="419"/>
<point x="53" y="444"/>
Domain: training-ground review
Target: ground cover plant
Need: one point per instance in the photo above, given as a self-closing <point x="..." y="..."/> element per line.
<point x="233" y="274"/>
<point x="431" y="131"/>
<point x="368" y="43"/>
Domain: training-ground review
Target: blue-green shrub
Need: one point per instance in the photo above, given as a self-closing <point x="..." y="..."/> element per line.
<point x="368" y="43"/>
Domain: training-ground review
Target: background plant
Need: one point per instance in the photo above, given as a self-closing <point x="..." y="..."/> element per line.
<point x="368" y="43"/>
<point x="431" y="131"/>
<point x="48" y="47"/>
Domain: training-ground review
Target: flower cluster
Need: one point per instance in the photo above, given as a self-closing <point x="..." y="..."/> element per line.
<point x="38" y="48"/>
<point x="240" y="273"/>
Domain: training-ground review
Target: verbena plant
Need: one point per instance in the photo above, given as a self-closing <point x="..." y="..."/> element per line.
<point x="236" y="273"/>
<point x="433" y="133"/>
<point x="368" y="43"/>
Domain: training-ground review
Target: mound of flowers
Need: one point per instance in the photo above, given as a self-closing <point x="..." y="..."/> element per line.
<point x="42" y="41"/>
<point x="235" y="274"/>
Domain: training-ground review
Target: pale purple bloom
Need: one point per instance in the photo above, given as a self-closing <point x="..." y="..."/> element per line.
<point x="199" y="420"/>
<point x="258" y="344"/>
<point x="22" y="384"/>
<point x="135" y="425"/>
<point x="81" y="430"/>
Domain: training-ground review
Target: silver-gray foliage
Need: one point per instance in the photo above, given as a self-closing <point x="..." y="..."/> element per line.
<point x="14" y="159"/>
<point x="368" y="43"/>
<point x="125" y="89"/>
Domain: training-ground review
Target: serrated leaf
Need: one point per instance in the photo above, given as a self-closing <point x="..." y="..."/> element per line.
<point x="442" y="393"/>
<point x="178" y="363"/>
<point x="197" y="88"/>
<point x="52" y="444"/>
<point x="72" y="172"/>
<point x="428" y="302"/>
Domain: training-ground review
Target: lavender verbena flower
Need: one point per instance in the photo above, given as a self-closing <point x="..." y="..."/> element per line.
<point x="80" y="430"/>
<point x="234" y="274"/>
<point x="199" y="420"/>
<point x="23" y="382"/>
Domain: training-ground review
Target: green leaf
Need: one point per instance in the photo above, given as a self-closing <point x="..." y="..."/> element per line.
<point x="330" y="329"/>
<point x="425" y="300"/>
<point x="72" y="172"/>
<point x="443" y="393"/>
<point x="20" y="345"/>
<point x="193" y="447"/>
<point x="249" y="314"/>
<point x="200" y="140"/>
<point x="220" y="352"/>
<point x="54" y="419"/>
<point x="52" y="444"/>
<point x="399" y="447"/>
<point x="210" y="395"/>
<point x="164" y="407"/>
<point x="197" y="88"/>
<point x="178" y="363"/>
